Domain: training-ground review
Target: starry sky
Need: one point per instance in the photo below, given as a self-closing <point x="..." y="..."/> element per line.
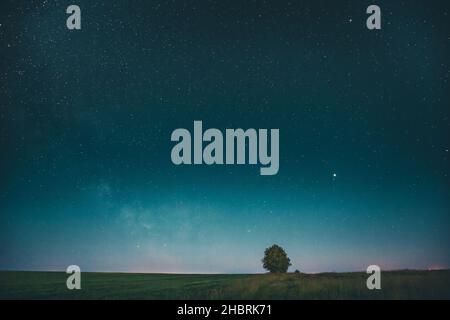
<point x="86" y="117"/>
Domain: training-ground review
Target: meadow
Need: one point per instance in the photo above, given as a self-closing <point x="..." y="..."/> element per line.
<point x="395" y="285"/>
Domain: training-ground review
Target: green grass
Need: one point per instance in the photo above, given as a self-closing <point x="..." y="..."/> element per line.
<point x="395" y="285"/>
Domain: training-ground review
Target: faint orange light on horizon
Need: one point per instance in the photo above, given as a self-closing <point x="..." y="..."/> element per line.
<point x="436" y="267"/>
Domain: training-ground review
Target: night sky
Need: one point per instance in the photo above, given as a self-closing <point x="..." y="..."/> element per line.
<point x="86" y="117"/>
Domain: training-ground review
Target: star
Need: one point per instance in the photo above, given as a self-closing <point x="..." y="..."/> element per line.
<point x="334" y="175"/>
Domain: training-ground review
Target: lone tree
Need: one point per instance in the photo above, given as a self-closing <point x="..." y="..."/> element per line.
<point x="275" y="259"/>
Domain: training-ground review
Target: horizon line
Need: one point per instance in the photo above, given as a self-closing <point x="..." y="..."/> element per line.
<point x="220" y="273"/>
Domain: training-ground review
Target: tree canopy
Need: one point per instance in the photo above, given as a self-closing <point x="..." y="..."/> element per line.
<point x="275" y="259"/>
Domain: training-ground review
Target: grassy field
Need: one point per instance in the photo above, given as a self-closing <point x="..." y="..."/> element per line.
<point x="395" y="285"/>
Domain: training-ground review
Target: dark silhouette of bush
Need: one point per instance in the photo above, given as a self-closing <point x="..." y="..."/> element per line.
<point x="276" y="260"/>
